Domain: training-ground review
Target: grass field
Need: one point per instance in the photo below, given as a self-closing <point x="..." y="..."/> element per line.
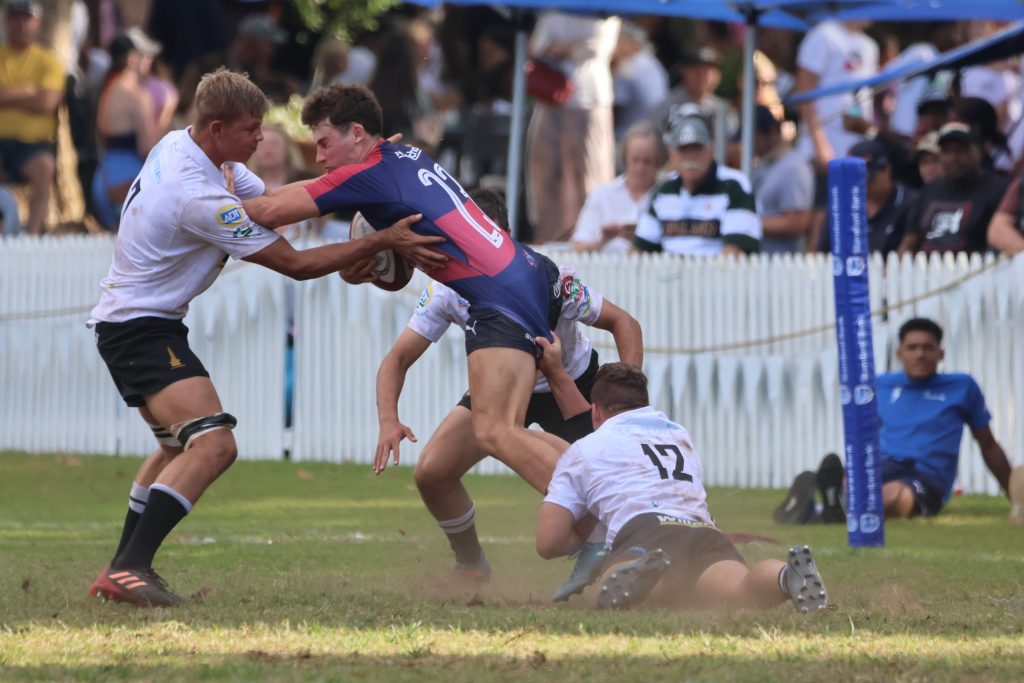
<point x="324" y="572"/>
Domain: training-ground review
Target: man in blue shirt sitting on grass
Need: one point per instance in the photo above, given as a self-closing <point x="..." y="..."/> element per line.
<point x="922" y="413"/>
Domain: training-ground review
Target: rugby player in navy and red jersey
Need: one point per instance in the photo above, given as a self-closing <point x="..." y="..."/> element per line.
<point x="512" y="291"/>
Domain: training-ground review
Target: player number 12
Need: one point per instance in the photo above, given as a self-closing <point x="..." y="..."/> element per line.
<point x="666" y="451"/>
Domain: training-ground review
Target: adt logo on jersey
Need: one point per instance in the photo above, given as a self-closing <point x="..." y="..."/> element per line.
<point x="234" y="216"/>
<point x="412" y="153"/>
<point x="863" y="394"/>
<point x="844" y="394"/>
<point x="855" y="266"/>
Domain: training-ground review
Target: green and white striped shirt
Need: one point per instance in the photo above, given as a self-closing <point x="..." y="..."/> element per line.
<point x="721" y="211"/>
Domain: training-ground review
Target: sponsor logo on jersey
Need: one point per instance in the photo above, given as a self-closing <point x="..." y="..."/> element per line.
<point x="234" y="216"/>
<point x="933" y="396"/>
<point x="896" y="393"/>
<point x="230" y="214"/>
<point x="572" y="288"/>
<point x="411" y="153"/>
<point x="426" y="296"/>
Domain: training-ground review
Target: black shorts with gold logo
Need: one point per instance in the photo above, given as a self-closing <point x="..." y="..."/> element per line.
<point x="145" y="355"/>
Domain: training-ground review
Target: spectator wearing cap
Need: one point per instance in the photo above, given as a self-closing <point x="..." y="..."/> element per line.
<point x="1006" y="231"/>
<point x="610" y="215"/>
<point x="783" y="184"/>
<point x="571" y="147"/>
<point x="703" y="209"/>
<point x="890" y="203"/>
<point x="953" y="212"/>
<point x="700" y="73"/>
<point x="926" y="157"/>
<point x="252" y="52"/>
<point x="128" y="122"/>
<point x="31" y="84"/>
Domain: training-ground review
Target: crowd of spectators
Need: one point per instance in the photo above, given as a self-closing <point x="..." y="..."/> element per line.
<point x="639" y="154"/>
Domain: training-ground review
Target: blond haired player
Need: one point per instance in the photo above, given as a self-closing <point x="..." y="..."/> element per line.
<point x="179" y="225"/>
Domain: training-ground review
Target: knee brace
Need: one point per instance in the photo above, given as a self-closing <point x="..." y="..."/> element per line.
<point x="164" y="436"/>
<point x="188" y="431"/>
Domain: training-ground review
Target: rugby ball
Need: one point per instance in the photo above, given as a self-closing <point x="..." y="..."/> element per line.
<point x="393" y="272"/>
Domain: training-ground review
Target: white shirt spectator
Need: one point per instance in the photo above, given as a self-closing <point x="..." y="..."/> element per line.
<point x="836" y="55"/>
<point x="361" y="65"/>
<point x="589" y="67"/>
<point x="607" y="204"/>
<point x="641" y="84"/>
<point x="909" y="93"/>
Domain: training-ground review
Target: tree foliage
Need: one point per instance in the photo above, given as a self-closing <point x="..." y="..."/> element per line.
<point x="342" y="18"/>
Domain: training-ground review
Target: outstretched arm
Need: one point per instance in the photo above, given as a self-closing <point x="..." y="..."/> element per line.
<point x="312" y="263"/>
<point x="629" y="337"/>
<point x="390" y="379"/>
<point x="995" y="458"/>
<point x="289" y="204"/>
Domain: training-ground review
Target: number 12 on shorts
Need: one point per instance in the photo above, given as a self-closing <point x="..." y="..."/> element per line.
<point x="667" y="451"/>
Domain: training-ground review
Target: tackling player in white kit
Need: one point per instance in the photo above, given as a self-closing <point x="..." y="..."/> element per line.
<point x="452" y="450"/>
<point x="640" y="475"/>
<point x="179" y="225"/>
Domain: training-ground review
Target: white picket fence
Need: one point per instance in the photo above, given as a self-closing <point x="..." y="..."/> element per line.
<point x="741" y="352"/>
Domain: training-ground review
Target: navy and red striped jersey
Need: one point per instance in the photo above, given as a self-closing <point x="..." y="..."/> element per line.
<point x="486" y="266"/>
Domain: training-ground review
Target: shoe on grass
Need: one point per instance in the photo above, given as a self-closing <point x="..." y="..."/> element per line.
<point x="806" y="589"/>
<point x="139" y="587"/>
<point x="589" y="560"/>
<point x="631" y="582"/>
<point x="830" y="485"/>
<point x="798" y="505"/>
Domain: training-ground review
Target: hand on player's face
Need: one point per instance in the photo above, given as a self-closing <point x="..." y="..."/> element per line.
<point x="416" y="249"/>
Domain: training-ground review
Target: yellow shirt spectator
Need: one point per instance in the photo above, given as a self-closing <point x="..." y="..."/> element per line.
<point x="37" y="68"/>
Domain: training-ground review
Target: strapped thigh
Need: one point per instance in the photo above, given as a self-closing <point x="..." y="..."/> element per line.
<point x="188" y="431"/>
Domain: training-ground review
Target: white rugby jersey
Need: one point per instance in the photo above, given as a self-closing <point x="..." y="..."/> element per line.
<point x="178" y="227"/>
<point x="637" y="462"/>
<point x="440" y="306"/>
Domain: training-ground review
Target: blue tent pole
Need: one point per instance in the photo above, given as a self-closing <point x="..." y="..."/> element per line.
<point x="747" y="115"/>
<point x="515" y="136"/>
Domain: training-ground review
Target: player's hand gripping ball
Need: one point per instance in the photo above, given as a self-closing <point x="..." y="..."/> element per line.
<point x="393" y="272"/>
